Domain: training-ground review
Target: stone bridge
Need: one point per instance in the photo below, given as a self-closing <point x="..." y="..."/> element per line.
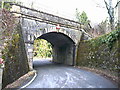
<point x="41" y="25"/>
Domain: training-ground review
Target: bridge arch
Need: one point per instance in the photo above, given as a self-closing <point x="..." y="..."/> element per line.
<point x="63" y="47"/>
<point x="35" y="23"/>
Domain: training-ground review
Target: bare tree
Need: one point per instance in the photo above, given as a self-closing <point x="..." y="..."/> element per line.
<point x="111" y="9"/>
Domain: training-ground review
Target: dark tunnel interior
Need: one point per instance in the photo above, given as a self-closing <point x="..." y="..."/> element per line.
<point x="63" y="47"/>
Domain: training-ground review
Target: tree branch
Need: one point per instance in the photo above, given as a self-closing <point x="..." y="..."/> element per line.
<point x="106" y="5"/>
<point x="117" y="4"/>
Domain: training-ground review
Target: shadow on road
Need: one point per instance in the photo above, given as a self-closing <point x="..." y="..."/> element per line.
<point x="44" y="62"/>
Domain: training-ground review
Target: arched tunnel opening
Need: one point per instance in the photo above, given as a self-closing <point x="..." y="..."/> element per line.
<point x="63" y="47"/>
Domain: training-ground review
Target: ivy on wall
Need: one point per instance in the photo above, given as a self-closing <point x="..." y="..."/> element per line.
<point x="101" y="53"/>
<point x="108" y="39"/>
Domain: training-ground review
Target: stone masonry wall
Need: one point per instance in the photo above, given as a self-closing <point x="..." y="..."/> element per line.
<point x="16" y="63"/>
<point x="103" y="56"/>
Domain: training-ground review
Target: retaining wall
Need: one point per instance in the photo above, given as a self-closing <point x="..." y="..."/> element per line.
<point x="101" y="53"/>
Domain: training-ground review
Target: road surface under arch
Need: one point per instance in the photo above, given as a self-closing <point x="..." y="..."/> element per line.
<point x="52" y="75"/>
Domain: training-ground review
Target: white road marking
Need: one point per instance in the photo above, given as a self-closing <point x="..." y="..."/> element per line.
<point x="28" y="82"/>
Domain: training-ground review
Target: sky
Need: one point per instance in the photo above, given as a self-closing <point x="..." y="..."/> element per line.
<point x="66" y="8"/>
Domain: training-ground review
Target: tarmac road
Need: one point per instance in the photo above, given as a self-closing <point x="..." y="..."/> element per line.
<point x="51" y="75"/>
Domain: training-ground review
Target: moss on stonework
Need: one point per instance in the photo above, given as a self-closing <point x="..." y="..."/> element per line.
<point x="16" y="63"/>
<point x="108" y="39"/>
<point x="102" y="53"/>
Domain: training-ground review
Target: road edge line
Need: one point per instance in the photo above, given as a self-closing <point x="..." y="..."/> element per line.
<point x="29" y="82"/>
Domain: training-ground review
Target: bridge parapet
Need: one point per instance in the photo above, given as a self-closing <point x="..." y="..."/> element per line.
<point x="41" y="16"/>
